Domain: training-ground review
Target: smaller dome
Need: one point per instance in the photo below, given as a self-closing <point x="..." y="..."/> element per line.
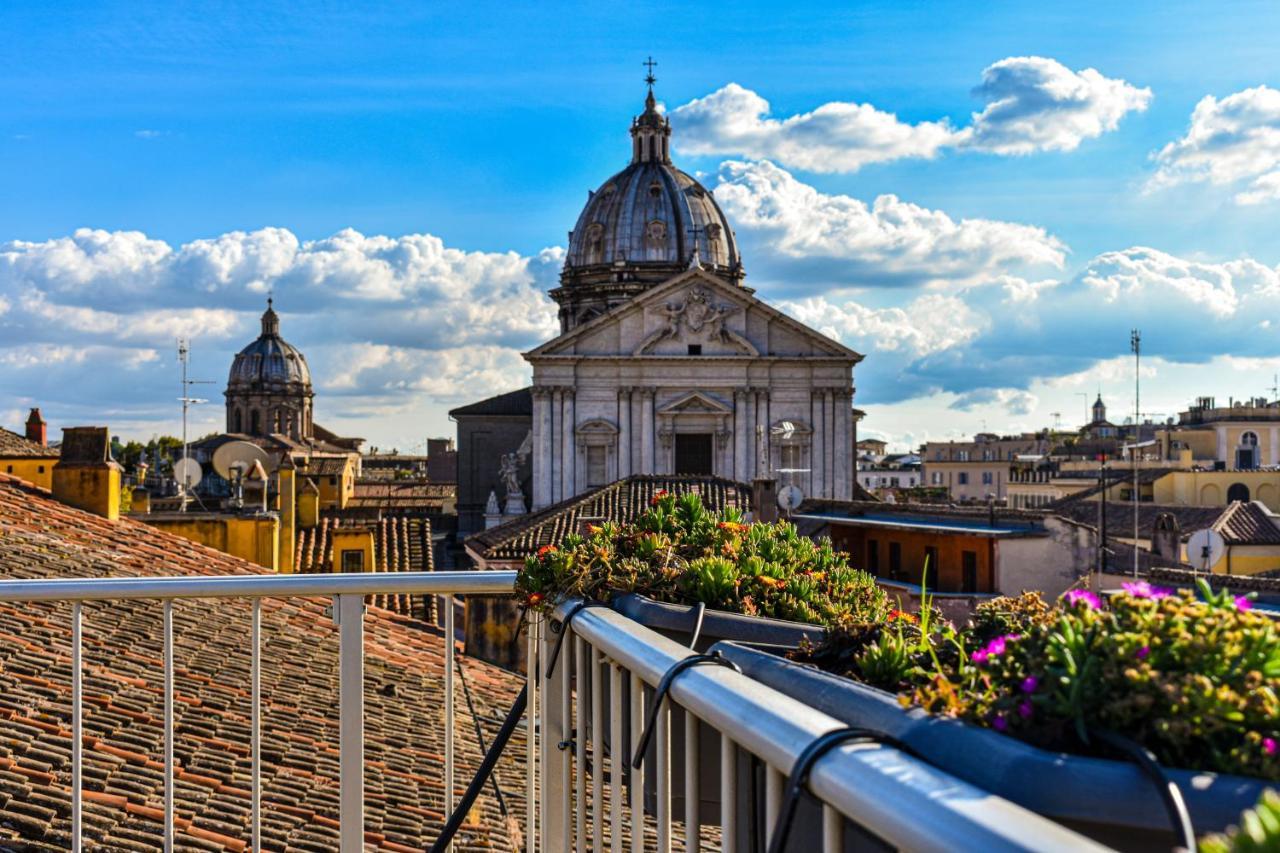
<point x="270" y="363"/>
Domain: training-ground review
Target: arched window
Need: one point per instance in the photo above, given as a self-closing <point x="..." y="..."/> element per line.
<point x="594" y="244"/>
<point x="255" y="423"/>
<point x="237" y="421"/>
<point x="1238" y="492"/>
<point x="1247" y="452"/>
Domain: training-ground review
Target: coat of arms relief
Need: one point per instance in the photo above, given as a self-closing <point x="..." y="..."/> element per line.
<point x="697" y="316"/>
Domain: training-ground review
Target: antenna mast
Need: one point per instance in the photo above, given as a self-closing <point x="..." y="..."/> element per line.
<point x="184" y="356"/>
<point x="1135" y="341"/>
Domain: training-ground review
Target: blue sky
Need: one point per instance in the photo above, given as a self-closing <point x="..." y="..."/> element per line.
<point x="482" y="127"/>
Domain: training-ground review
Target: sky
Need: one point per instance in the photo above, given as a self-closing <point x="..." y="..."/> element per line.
<point x="984" y="199"/>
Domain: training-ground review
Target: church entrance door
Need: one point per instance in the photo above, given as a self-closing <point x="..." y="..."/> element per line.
<point x="693" y="453"/>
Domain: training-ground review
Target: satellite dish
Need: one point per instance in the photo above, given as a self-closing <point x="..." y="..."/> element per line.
<point x="790" y="497"/>
<point x="188" y="473"/>
<point x="236" y="458"/>
<point x="1205" y="549"/>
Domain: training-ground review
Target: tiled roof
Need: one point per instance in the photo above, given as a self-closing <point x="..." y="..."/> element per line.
<point x="401" y="495"/>
<point x="512" y="403"/>
<point x="1248" y="523"/>
<point x="400" y="544"/>
<point x="14" y="444"/>
<point x="622" y="502"/>
<point x="1120" y="516"/>
<point x="324" y="465"/>
<point x="123" y="742"/>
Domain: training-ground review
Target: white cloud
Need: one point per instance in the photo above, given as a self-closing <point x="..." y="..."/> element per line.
<point x="1038" y="104"/>
<point x="390" y="324"/>
<point x="1013" y="400"/>
<point x="849" y="242"/>
<point x="1033" y="104"/>
<point x="929" y="324"/>
<point x="1232" y="140"/>
<point x="836" y="137"/>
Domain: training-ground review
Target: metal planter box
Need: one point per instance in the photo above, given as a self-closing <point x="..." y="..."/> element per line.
<point x="1110" y="801"/>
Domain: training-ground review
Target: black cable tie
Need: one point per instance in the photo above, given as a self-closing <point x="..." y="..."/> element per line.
<point x="660" y="694"/>
<point x="1170" y="794"/>
<point x="564" y="631"/>
<point x="800" y="775"/>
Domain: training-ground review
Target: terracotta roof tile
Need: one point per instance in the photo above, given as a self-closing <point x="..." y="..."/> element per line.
<point x="14" y="444"/>
<point x="123" y="745"/>
<point x="1248" y="523"/>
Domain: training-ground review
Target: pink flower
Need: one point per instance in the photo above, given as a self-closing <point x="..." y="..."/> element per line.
<point x="996" y="647"/>
<point x="1141" y="654"/>
<point x="1243" y="603"/>
<point x="1030" y="683"/>
<point x="1025" y="709"/>
<point x="1142" y="589"/>
<point x="1269" y="745"/>
<point x="1075" y="596"/>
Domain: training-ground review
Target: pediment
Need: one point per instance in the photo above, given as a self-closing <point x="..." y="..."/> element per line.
<point x="694" y="308"/>
<point x="694" y="403"/>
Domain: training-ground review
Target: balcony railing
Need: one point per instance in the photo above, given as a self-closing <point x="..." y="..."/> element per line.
<point x="582" y="791"/>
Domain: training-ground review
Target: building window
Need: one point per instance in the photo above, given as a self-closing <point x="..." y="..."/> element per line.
<point x="255" y="423"/>
<point x="237" y="421"/>
<point x="1237" y="492"/>
<point x="895" y="559"/>
<point x="873" y="556"/>
<point x="10" y="470"/>
<point x="963" y="478"/>
<point x="597" y="471"/>
<point x="1247" y="453"/>
<point x="969" y="571"/>
<point x="963" y="456"/>
<point x="353" y="561"/>
<point x="935" y="477"/>
<point x="987" y="478"/>
<point x="333" y="481"/>
<point x="40" y="470"/>
<point x="695" y="349"/>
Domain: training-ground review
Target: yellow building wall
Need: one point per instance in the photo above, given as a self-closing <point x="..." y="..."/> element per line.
<point x="353" y="540"/>
<point x="36" y="471"/>
<point x="1210" y="488"/>
<point x="255" y="538"/>
<point x="1247" y="560"/>
<point x="285" y="495"/>
<point x="336" y="494"/>
<point x="308" y="507"/>
<point x="93" y="488"/>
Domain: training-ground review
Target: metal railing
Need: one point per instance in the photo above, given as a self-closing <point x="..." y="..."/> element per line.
<point x="582" y="791"/>
<point x="348" y="592"/>
<point x="593" y="703"/>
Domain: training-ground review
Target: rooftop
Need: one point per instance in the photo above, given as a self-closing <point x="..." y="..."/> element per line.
<point x="14" y="444"/>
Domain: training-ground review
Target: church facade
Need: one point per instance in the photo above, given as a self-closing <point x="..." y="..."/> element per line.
<point x="667" y="363"/>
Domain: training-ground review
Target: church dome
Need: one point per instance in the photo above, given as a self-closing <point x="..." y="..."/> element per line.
<point x="270" y="363"/>
<point x="650" y="221"/>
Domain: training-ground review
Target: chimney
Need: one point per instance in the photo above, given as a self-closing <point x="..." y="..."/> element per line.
<point x="37" y="429"/>
<point x="140" y="501"/>
<point x="764" y="499"/>
<point x="86" y="477"/>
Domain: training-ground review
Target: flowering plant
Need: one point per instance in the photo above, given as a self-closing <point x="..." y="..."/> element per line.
<point x="680" y="551"/>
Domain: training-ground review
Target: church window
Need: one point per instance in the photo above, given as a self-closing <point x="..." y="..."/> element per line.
<point x="597" y="465"/>
<point x="255" y="423"/>
<point x="655" y="189"/>
<point x="237" y="421"/>
<point x="655" y="240"/>
<point x="695" y="349"/>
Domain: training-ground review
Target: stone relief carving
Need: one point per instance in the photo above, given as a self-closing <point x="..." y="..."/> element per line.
<point x="695" y="314"/>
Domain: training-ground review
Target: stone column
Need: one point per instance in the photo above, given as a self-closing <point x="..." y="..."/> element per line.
<point x="646" y="431"/>
<point x="841" y="490"/>
<point x="569" y="451"/>
<point x="624" y="433"/>
<point x="818" y="480"/>
<point x="557" y="446"/>
<point x="829" y="411"/>
<point x="741" y="435"/>
<point x="761" y="437"/>
<point x="542" y="447"/>
<point x="1275" y="448"/>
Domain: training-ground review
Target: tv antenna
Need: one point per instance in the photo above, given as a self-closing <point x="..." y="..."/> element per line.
<point x="1057" y="420"/>
<point x="184" y="477"/>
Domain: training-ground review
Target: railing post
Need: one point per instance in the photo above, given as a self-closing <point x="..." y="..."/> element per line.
<point x="554" y="732"/>
<point x="533" y="679"/>
<point x="349" y="611"/>
<point x="77" y="730"/>
<point x="448" y="707"/>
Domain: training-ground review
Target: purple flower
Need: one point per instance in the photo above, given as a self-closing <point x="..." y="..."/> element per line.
<point x="999" y="723"/>
<point x="1025" y="709"/>
<point x="1142" y="589"/>
<point x="1030" y="683"/>
<point x="1243" y="603"/>
<point x="1269" y="745"/>
<point x="1141" y="654"/>
<point x="994" y="648"/>
<point x="1075" y="596"/>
